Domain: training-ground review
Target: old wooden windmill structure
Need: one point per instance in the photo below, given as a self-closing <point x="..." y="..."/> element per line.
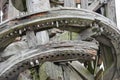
<point x="59" y="40"/>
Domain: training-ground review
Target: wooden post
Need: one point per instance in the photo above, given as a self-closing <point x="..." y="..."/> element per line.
<point x="110" y="10"/>
<point x="37" y="5"/>
<point x="0" y="16"/>
<point x="84" y="4"/>
<point x="31" y="39"/>
<point x="69" y="3"/>
<point x="42" y="37"/>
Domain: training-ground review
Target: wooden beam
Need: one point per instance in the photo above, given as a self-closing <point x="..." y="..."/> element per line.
<point x="42" y="37"/>
<point x="69" y="3"/>
<point x="31" y="39"/>
<point x="37" y="5"/>
<point x="84" y="4"/>
<point x="82" y="70"/>
<point x="110" y="10"/>
<point x="95" y="5"/>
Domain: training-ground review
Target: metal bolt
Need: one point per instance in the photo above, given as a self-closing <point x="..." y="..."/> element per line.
<point x="32" y="64"/>
<point x="37" y="62"/>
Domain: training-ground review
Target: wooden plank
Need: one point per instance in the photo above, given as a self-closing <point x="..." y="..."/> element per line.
<point x="0" y="16"/>
<point x="110" y="10"/>
<point x="31" y="39"/>
<point x="45" y="52"/>
<point x="50" y="71"/>
<point x="69" y="3"/>
<point x="69" y="73"/>
<point x="84" y="4"/>
<point x="94" y="6"/>
<point x="37" y="5"/>
<point x="26" y="75"/>
<point x="82" y="70"/>
<point x="42" y="37"/>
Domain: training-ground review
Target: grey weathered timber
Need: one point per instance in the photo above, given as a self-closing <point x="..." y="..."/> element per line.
<point x="69" y="3"/>
<point x="37" y="5"/>
<point x="0" y="16"/>
<point x="50" y="71"/>
<point x="31" y="39"/>
<point x="15" y="48"/>
<point x="67" y="14"/>
<point x="110" y="10"/>
<point x="95" y="5"/>
<point x="55" y="52"/>
<point x="97" y="56"/>
<point x="26" y="75"/>
<point x="81" y="70"/>
<point x="70" y="73"/>
<point x="62" y="71"/>
<point x="84" y="4"/>
<point x="42" y="37"/>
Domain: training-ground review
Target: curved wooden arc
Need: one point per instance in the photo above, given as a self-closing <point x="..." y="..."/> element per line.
<point x="54" y="52"/>
<point x="57" y="18"/>
<point x="50" y="19"/>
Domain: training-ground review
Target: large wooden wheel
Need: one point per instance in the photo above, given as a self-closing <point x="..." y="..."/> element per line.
<point x="97" y="28"/>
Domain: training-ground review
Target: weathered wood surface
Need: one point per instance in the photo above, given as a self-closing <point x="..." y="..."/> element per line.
<point x="15" y="48"/>
<point x="37" y="5"/>
<point x="95" y="5"/>
<point x="68" y="50"/>
<point x="70" y="73"/>
<point x="0" y="16"/>
<point x="69" y="3"/>
<point x="103" y="22"/>
<point x="26" y="75"/>
<point x="82" y="70"/>
<point x="84" y="4"/>
<point x="67" y="15"/>
<point x="110" y="10"/>
<point x="31" y="39"/>
<point x="42" y="37"/>
<point x="50" y="71"/>
<point x="63" y="71"/>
